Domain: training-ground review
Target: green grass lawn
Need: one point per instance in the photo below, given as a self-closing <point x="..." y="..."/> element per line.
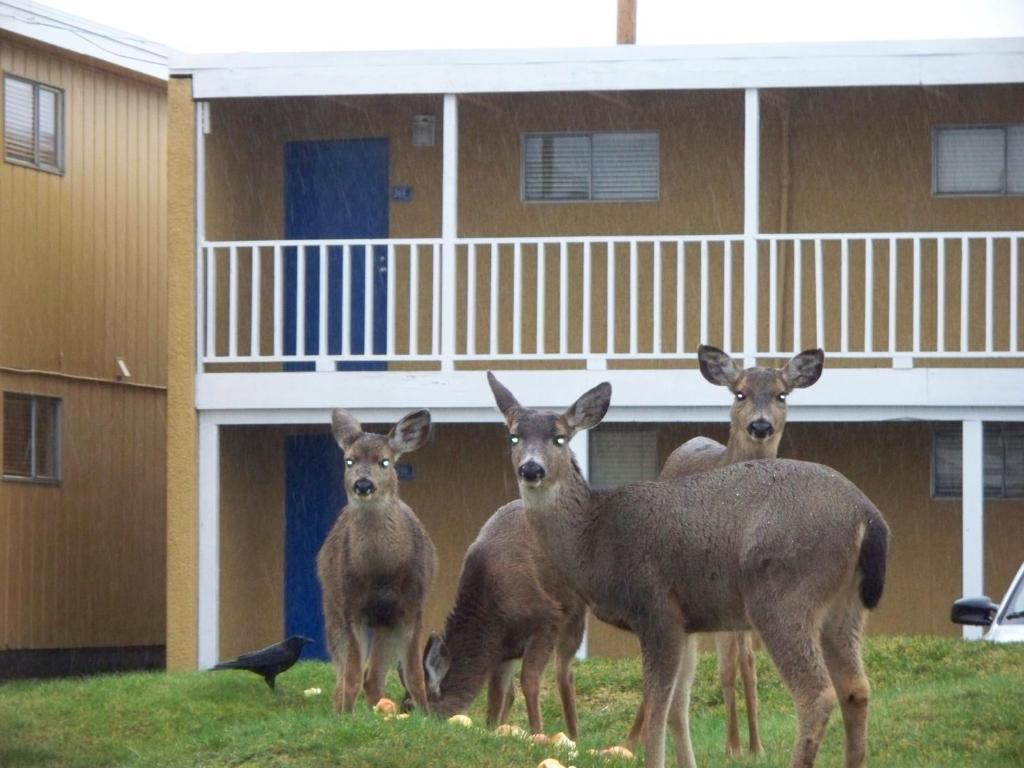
<point x="936" y="703"/>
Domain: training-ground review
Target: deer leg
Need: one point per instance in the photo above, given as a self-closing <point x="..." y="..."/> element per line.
<point x="841" y="639"/>
<point x="499" y="685"/>
<point x="568" y="642"/>
<point x="662" y="650"/>
<point x="384" y="652"/>
<point x="337" y="646"/>
<point x="354" y="665"/>
<point x="748" y="673"/>
<point x="412" y="661"/>
<point x="679" y="710"/>
<point x="536" y="656"/>
<point x="727" y="647"/>
<point x="793" y="639"/>
<point x="636" y="732"/>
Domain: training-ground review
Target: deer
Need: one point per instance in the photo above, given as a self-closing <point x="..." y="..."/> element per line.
<point x="757" y="419"/>
<point x="375" y="566"/>
<point x="511" y="603"/>
<point x="791" y="549"/>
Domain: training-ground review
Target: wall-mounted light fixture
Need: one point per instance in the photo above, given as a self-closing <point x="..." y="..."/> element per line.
<point x="423" y="130"/>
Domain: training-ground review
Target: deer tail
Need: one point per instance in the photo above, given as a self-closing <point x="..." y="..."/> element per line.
<point x="874" y="550"/>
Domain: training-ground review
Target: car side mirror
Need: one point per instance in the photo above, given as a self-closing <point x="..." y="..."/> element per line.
<point x="976" y="611"/>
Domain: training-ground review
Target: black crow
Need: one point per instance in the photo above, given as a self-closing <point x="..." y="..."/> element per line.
<point x="270" y="661"/>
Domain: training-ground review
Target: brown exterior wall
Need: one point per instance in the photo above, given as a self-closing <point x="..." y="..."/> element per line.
<point x="925" y="554"/>
<point x="860" y="160"/>
<point x="252" y="518"/>
<point x="82" y="561"/>
<point x="840" y="160"/>
<point x="84" y="252"/>
<point x="83" y="258"/>
<point x="924" y="570"/>
<point x="252" y="538"/>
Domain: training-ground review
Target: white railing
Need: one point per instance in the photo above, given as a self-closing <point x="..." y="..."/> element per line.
<point x="285" y="301"/>
<point x="897" y="295"/>
<point x="592" y="300"/>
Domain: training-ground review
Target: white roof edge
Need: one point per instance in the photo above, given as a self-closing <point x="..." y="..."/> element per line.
<point x="615" y="68"/>
<point x="82" y="36"/>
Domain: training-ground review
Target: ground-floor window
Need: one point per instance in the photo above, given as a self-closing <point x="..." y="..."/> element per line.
<point x="1004" y="461"/>
<point x="623" y="453"/>
<point x="31" y="437"/>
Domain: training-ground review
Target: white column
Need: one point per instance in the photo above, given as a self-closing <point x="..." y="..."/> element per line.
<point x="202" y="112"/>
<point x="208" y="624"/>
<point x="449" y="226"/>
<point x="973" y="516"/>
<point x="751" y="221"/>
<point x="580" y="445"/>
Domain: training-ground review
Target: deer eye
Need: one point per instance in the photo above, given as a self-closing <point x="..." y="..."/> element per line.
<point x="350" y="462"/>
<point x="514" y="439"/>
<point x="385" y="463"/>
<point x="560" y="440"/>
<point x="782" y="397"/>
<point x="740" y="396"/>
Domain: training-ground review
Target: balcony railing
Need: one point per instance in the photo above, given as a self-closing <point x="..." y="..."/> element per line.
<point x="332" y="304"/>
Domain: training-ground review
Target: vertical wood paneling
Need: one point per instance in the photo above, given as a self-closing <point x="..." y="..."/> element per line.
<point x="84" y="559"/>
<point x="84" y="280"/>
<point x="84" y="252"/>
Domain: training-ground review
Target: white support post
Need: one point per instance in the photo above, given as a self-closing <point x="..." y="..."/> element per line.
<point x="580" y="445"/>
<point x="202" y="121"/>
<point x="973" y="516"/>
<point x="751" y="222"/>
<point x="449" y="227"/>
<point x="208" y="577"/>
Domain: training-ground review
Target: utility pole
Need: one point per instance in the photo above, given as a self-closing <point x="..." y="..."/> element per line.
<point x="626" y="31"/>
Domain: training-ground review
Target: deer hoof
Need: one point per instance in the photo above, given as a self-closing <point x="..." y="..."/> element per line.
<point x="460" y="720"/>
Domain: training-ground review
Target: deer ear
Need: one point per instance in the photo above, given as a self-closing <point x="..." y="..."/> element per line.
<point x="410" y="433"/>
<point x="436" y="660"/>
<point x="716" y="366"/>
<point x="588" y="411"/>
<point x="507" y="403"/>
<point x="804" y="369"/>
<point x="345" y="426"/>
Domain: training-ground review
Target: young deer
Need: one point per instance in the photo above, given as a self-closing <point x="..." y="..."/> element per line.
<point x="375" y="566"/>
<point x="758" y="417"/>
<point x="511" y="603"/>
<point x="791" y="548"/>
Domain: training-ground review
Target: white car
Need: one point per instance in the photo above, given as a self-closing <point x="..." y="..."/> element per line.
<point x="1005" y="621"/>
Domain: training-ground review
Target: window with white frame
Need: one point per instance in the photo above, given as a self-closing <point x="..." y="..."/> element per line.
<point x="31" y="437"/>
<point x="591" y="167"/>
<point x="1003" y="461"/>
<point x="978" y="160"/>
<point x="622" y="453"/>
<point x="33" y="124"/>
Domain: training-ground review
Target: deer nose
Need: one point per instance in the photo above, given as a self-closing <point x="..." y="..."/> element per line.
<point x="363" y="486"/>
<point x="531" y="471"/>
<point x="760" y="429"/>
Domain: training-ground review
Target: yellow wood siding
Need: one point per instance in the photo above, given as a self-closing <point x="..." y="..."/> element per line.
<point x="83" y="253"/>
<point x="82" y="561"/>
<point x="83" y="264"/>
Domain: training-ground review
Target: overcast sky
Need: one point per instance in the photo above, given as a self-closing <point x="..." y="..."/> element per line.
<point x="306" y="25"/>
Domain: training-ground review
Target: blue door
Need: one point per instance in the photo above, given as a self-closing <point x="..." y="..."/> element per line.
<point x="336" y="189"/>
<point x="314" y="493"/>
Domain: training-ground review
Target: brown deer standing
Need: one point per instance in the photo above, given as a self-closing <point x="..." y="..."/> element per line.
<point x="511" y="603"/>
<point x="376" y="565"/>
<point x="757" y="419"/>
<point x="791" y="548"/>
